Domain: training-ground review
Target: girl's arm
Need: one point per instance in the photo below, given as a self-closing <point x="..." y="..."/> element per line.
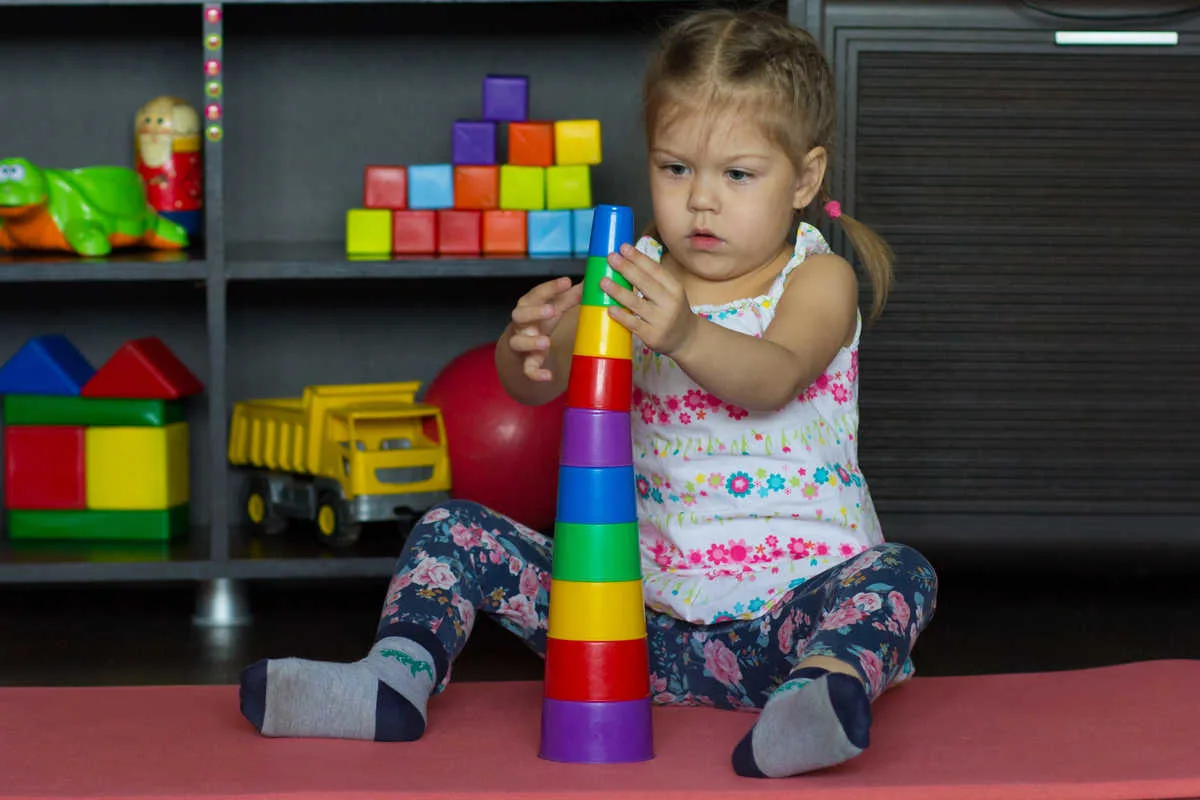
<point x="533" y="354"/>
<point x="816" y="316"/>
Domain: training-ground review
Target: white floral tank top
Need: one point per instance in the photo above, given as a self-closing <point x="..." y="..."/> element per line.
<point x="736" y="507"/>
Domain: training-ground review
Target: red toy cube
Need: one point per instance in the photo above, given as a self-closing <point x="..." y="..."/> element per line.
<point x="459" y="231"/>
<point x="385" y="187"/>
<point x="504" y="232"/>
<point x="531" y="144"/>
<point x="414" y="232"/>
<point x="44" y="467"/>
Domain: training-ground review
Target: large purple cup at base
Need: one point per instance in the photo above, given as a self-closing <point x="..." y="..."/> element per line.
<point x="596" y="733"/>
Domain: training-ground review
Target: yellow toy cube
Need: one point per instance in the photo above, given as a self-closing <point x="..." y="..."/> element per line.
<point x="569" y="187"/>
<point x="368" y="231"/>
<point x="522" y="188"/>
<point x="577" y="141"/>
<point x="136" y="469"/>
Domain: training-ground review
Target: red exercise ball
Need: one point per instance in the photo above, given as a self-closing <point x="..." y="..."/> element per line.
<point x="502" y="454"/>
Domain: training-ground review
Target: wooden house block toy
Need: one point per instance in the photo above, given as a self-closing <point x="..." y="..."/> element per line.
<point x="596" y="693"/>
<point x="368" y="231"/>
<point x="339" y="456"/>
<point x="414" y="232"/>
<point x="568" y="187"/>
<point x="96" y="454"/>
<point x="506" y="98"/>
<point x="473" y="142"/>
<point x="459" y="232"/>
<point x="504" y="232"/>
<point x="431" y="186"/>
<point x="477" y="187"/>
<point x="577" y="141"/>
<point x="522" y="188"/>
<point x="549" y="233"/>
<point x="531" y="144"/>
<point x="385" y="187"/>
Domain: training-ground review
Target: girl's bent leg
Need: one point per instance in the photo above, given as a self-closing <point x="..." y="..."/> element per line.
<point x="459" y="558"/>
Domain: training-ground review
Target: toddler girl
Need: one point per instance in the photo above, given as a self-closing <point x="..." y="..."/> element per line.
<point x="767" y="582"/>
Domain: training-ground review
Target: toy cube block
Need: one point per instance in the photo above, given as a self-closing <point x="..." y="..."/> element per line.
<point x="581" y="230"/>
<point x="549" y="233"/>
<point x="477" y="187"/>
<point x="44" y="467"/>
<point x="137" y="469"/>
<point x="81" y="525"/>
<point x="522" y="188"/>
<point x="505" y="98"/>
<point x="32" y="409"/>
<point x="459" y="232"/>
<point x="414" y="232"/>
<point x="568" y="187"/>
<point x="430" y="186"/>
<point x="504" y="232"/>
<point x="473" y="142"/>
<point x="531" y="144"/>
<point x="385" y="187"/>
<point x="577" y="141"/>
<point x="368" y="231"/>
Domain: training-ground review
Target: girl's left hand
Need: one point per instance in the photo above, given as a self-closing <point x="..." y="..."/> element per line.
<point x="661" y="316"/>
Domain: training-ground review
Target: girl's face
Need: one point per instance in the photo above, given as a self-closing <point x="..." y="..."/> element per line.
<point x="723" y="193"/>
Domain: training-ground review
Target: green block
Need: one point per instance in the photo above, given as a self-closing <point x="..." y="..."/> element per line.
<point x="596" y="553"/>
<point x="112" y="526"/>
<point x="368" y="231"/>
<point x="569" y="187"/>
<point x="597" y="268"/>
<point x="38" y="409"/>
<point x="522" y="188"/>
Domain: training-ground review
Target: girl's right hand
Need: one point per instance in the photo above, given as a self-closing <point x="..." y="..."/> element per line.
<point x="536" y="316"/>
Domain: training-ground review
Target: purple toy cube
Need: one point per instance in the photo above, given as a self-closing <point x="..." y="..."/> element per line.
<point x="506" y="98"/>
<point x="474" y="142"/>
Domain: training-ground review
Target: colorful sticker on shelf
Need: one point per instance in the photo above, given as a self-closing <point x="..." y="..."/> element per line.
<point x="212" y="15"/>
<point x="212" y="68"/>
<point x="212" y="41"/>
<point x="213" y="88"/>
<point x="214" y="133"/>
<point x="167" y="154"/>
<point x="212" y="111"/>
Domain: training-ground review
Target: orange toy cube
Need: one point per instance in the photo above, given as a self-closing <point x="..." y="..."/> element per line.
<point x="504" y="232"/>
<point x="414" y="232"/>
<point x="531" y="144"/>
<point x="459" y="231"/>
<point x="476" y="186"/>
<point x="385" y="187"/>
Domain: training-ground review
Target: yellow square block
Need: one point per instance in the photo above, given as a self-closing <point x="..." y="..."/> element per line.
<point x="136" y="469"/>
<point x="522" y="188"/>
<point x="368" y="231"/>
<point x="598" y="334"/>
<point x="577" y="141"/>
<point x="569" y="187"/>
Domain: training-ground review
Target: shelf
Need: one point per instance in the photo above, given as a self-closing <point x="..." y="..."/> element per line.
<point x="4" y="3"/>
<point x="328" y="260"/>
<point x="296" y="553"/>
<point x="132" y="265"/>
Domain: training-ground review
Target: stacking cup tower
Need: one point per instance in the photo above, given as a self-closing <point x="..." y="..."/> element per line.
<point x="596" y="700"/>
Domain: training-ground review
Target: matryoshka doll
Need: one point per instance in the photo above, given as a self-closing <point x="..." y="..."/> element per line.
<point x="167" y="148"/>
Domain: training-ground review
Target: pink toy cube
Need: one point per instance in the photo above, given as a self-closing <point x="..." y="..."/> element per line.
<point x="385" y="187"/>
<point x="459" y="231"/>
<point x="414" y="232"/>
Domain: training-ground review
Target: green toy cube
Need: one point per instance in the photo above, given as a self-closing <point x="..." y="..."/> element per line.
<point x="368" y="231"/>
<point x="569" y="187"/>
<point x="522" y="188"/>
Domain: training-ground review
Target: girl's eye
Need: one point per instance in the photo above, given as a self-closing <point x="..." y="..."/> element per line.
<point x="675" y="169"/>
<point x="738" y="175"/>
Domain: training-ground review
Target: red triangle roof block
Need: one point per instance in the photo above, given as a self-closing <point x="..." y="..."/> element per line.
<point x="143" y="369"/>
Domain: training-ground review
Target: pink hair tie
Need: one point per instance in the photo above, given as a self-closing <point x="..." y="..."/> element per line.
<point x="834" y="209"/>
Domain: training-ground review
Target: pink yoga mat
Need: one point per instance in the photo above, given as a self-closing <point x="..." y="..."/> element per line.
<point x="1115" y="732"/>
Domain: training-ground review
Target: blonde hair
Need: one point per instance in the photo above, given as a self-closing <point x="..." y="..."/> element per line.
<point x="719" y="58"/>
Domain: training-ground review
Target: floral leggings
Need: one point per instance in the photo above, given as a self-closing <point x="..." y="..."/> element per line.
<point x="462" y="557"/>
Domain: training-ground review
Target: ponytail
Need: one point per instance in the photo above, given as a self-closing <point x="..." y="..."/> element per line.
<point x="876" y="256"/>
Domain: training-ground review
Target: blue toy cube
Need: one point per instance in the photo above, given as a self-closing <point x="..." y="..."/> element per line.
<point x="581" y="230"/>
<point x="430" y="186"/>
<point x="474" y="142"/>
<point x="549" y="232"/>
<point x="506" y="98"/>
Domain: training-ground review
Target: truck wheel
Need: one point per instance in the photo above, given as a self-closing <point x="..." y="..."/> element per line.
<point x="259" y="508"/>
<point x="333" y="523"/>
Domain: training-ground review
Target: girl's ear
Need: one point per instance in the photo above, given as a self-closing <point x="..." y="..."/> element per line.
<point x="811" y="177"/>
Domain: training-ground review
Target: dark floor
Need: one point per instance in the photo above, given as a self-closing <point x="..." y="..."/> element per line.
<point x="1003" y="621"/>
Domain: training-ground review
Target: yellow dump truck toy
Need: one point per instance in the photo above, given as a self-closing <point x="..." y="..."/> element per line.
<point x="340" y="456"/>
